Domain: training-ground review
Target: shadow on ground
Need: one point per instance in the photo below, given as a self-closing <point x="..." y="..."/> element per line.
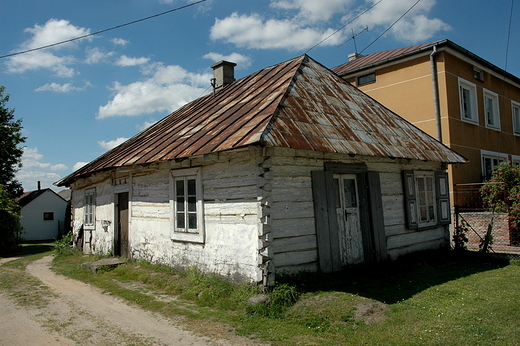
<point x="391" y="282"/>
<point x="32" y="248"/>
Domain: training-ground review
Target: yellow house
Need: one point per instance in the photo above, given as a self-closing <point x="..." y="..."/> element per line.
<point x="466" y="102"/>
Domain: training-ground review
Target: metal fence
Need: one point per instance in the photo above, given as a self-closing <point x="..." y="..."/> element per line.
<point x="471" y="216"/>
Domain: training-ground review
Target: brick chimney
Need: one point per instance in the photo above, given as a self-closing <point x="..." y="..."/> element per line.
<point x="223" y="74"/>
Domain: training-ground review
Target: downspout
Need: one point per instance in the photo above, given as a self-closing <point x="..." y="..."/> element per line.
<point x="435" y="85"/>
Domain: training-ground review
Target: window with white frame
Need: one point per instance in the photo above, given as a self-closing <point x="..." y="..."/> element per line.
<point x="90" y="209"/>
<point x="468" y="101"/>
<point x="516" y="118"/>
<point x="491" y="109"/>
<point x="187" y="214"/>
<point x="490" y="160"/>
<point x="426" y="199"/>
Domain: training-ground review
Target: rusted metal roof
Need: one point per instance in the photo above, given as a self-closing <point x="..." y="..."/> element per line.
<point x="380" y="58"/>
<point x="297" y="104"/>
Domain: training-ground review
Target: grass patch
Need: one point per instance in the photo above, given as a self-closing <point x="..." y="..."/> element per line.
<point x="15" y="282"/>
<point x="427" y="299"/>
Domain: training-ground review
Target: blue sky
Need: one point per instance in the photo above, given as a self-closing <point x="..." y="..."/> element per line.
<point x="78" y="100"/>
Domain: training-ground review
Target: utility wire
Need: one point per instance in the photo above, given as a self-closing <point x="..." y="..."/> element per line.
<point x="390" y="27"/>
<point x="509" y="32"/>
<point x="104" y="30"/>
<point x="343" y="27"/>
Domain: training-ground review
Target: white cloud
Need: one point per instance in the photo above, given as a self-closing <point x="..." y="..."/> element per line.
<point x="304" y="23"/>
<point x="55" y="30"/>
<point x="242" y="61"/>
<point x="107" y="145"/>
<point x="412" y="28"/>
<point x="128" y="61"/>
<point x="253" y="31"/>
<point x="32" y="154"/>
<point x="78" y="165"/>
<point x="311" y="10"/>
<point x="95" y="55"/>
<point x="168" y="88"/>
<point x="62" y="88"/>
<point x="120" y="41"/>
<point x="34" y="170"/>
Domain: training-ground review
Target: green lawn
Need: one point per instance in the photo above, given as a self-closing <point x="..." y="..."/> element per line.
<point x="429" y="299"/>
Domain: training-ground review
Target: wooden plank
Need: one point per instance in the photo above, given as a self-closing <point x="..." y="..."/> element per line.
<point x="239" y="192"/>
<point x="322" y="219"/>
<point x="291" y="209"/>
<point x="294" y="244"/>
<point x="416" y="237"/>
<point x="283" y="228"/>
<point x="295" y="258"/>
<point x="376" y="216"/>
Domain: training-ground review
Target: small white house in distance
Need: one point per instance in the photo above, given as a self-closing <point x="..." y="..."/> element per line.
<point x="42" y="214"/>
<point x="288" y="169"/>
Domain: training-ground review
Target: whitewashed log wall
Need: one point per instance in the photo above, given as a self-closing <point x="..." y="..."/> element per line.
<point x="258" y="211"/>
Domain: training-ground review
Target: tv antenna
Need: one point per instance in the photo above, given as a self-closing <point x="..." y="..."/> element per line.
<point x="353" y="37"/>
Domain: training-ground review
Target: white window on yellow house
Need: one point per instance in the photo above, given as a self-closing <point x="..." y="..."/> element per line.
<point x="491" y="110"/>
<point x="516" y="118"/>
<point x="468" y="101"/>
<point x="490" y="161"/>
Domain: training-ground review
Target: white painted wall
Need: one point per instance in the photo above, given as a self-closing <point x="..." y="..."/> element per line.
<point x="258" y="211"/>
<point x="34" y="226"/>
<point x="231" y="216"/>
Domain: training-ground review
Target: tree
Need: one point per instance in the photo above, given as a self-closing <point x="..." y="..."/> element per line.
<point x="502" y="194"/>
<point x="10" y="150"/>
<point x="9" y="224"/>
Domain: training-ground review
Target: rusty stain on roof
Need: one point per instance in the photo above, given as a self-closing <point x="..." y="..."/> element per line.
<point x="296" y="104"/>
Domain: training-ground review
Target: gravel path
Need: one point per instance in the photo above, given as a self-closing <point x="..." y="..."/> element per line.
<point x="79" y="314"/>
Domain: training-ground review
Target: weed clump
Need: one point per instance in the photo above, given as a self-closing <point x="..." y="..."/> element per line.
<point x="63" y="246"/>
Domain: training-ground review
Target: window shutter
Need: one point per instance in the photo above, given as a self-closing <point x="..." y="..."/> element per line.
<point x="410" y="200"/>
<point x="443" y="198"/>
<point x="326" y="221"/>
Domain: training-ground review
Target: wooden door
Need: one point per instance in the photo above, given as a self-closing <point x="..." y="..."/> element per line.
<point x="348" y="214"/>
<point x="121" y="244"/>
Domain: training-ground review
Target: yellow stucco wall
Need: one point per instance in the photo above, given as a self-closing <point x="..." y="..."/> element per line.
<point x="406" y="88"/>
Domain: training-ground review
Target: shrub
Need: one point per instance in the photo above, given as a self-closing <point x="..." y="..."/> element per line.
<point x="63" y="246"/>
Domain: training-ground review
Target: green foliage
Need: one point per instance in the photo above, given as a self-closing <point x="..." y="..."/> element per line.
<point x="460" y="238"/>
<point x="63" y="246"/>
<point x="10" y="230"/>
<point x="502" y="193"/>
<point x="440" y="298"/>
<point x="280" y="297"/>
<point x="10" y="151"/>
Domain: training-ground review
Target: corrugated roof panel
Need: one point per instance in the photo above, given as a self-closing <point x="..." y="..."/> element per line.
<point x="296" y="104"/>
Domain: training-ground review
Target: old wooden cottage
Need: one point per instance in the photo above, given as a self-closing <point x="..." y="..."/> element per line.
<point x="288" y="169"/>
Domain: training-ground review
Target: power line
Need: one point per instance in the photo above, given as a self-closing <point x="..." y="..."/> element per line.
<point x="390" y="27"/>
<point x="104" y="30"/>
<point x="509" y="32"/>
<point x="335" y="32"/>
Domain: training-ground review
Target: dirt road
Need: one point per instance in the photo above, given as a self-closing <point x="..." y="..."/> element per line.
<point x="79" y="314"/>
